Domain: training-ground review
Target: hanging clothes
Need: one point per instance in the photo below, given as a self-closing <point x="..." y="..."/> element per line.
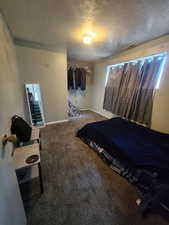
<point x="83" y="80"/>
<point x="70" y="78"/>
<point x="76" y="79"/>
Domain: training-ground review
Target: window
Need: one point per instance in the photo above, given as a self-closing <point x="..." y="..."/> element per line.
<point x="161" y="72"/>
<point x="135" y="60"/>
<point x="130" y="87"/>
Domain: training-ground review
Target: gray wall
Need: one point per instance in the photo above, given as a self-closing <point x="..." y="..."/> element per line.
<point x="49" y="69"/>
<point x="160" y="113"/>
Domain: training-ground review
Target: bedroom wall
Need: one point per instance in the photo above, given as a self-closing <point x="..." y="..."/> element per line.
<point x="83" y="102"/>
<point x="11" y="101"/>
<point x="160" y="115"/>
<point x="49" y="69"/>
<point x="11" y="206"/>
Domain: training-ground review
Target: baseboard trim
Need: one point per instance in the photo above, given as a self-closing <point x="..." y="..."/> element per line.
<point x="63" y="121"/>
<point x="99" y="113"/>
<point x="85" y="109"/>
<point x="55" y="122"/>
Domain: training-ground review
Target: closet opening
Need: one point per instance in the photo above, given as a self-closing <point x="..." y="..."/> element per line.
<point x="79" y="90"/>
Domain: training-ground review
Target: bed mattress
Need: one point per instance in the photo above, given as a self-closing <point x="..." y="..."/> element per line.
<point x="136" y="144"/>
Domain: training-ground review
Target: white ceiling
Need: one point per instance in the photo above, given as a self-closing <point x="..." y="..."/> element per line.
<point x="117" y="23"/>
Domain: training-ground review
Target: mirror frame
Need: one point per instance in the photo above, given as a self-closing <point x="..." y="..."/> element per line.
<point x="28" y="104"/>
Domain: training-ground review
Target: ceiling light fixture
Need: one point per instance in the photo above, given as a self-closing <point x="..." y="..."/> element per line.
<point x="88" y="37"/>
<point x="87" y="40"/>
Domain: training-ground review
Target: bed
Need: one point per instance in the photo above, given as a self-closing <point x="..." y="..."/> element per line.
<point x="136" y="152"/>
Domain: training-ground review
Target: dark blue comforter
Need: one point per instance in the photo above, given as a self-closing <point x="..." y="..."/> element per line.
<point x="139" y="145"/>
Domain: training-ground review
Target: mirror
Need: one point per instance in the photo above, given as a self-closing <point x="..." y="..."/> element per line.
<point x="35" y="104"/>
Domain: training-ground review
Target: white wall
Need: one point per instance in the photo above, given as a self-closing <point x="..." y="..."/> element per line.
<point x="11" y="101"/>
<point x="11" y="206"/>
<point x="160" y="115"/>
<point x="83" y="101"/>
<point x="49" y="69"/>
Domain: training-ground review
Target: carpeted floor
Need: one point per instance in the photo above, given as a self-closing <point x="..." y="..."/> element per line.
<point x="80" y="189"/>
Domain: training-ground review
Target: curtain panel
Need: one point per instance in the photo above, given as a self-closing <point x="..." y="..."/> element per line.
<point x="130" y="89"/>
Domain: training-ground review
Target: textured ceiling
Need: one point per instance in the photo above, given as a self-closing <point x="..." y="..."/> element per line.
<point x="116" y="23"/>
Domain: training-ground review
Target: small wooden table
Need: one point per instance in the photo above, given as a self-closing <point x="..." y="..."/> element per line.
<point x="22" y="153"/>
